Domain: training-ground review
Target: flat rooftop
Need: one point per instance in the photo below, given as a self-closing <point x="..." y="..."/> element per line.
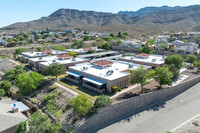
<point x="7" y="117"/>
<point x="58" y="52"/>
<point x="77" y="50"/>
<point x="46" y="58"/>
<point x="98" y="54"/>
<point x="32" y="54"/>
<point x="154" y="59"/>
<point x="55" y="59"/>
<point x="117" y="67"/>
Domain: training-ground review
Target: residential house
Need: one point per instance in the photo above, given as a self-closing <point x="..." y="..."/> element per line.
<point x="162" y="38"/>
<point x="185" y="48"/>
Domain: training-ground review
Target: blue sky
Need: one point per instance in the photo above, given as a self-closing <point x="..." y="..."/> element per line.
<point x="12" y="11"/>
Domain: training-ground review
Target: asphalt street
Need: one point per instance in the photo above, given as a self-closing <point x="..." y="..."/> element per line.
<point x="161" y="118"/>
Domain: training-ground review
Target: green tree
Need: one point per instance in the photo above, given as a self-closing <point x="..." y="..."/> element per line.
<point x="19" y="69"/>
<point x="27" y="83"/>
<point x="21" y="127"/>
<point x="19" y="51"/>
<point x="56" y="35"/>
<point x="72" y="53"/>
<point x="2" y="93"/>
<point x="177" y="60"/>
<point x="5" y="85"/>
<point x="37" y="78"/>
<point x="107" y="38"/>
<point x="174" y="70"/>
<point x="112" y="35"/>
<point x="105" y="46"/>
<point x="58" y="47"/>
<point x="146" y="49"/>
<point x="79" y="44"/>
<point x="163" y="46"/>
<point x="119" y="42"/>
<point x="99" y="41"/>
<point x="91" y="51"/>
<point x="140" y="76"/>
<point x="119" y="35"/>
<point x="191" y="59"/>
<point x="125" y="33"/>
<point x="10" y="74"/>
<point x="39" y="49"/>
<point x="102" y="101"/>
<point x="81" y="104"/>
<point x="54" y="69"/>
<point x="197" y="65"/>
<point x="87" y="38"/>
<point x="163" y="76"/>
<point x="150" y="42"/>
<point x="40" y="123"/>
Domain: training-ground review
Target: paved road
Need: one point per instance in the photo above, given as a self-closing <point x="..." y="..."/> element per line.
<point x="162" y="118"/>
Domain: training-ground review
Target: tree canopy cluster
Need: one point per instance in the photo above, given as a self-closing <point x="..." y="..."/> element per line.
<point x="29" y="82"/>
<point x="39" y="123"/>
<point x="11" y="74"/>
<point x="54" y="69"/>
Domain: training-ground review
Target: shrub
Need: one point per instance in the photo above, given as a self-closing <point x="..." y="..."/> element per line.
<point x="58" y="114"/>
<point x="51" y="108"/>
<point x="50" y="96"/>
<point x="81" y="104"/>
<point x="21" y="127"/>
<point x="2" y="92"/>
<point x="6" y="86"/>
<point x="51" y="88"/>
<point x="102" y="101"/>
<point x="115" y="89"/>
<point x="195" y="123"/>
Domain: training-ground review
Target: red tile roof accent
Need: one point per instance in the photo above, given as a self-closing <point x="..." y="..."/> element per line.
<point x="47" y="51"/>
<point x="142" y="55"/>
<point x="126" y="71"/>
<point x="65" y="56"/>
<point x="103" y="63"/>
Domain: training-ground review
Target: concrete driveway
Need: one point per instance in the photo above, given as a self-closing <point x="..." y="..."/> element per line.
<point x="161" y="118"/>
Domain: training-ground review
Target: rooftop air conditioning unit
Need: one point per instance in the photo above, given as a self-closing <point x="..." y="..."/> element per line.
<point x="130" y="65"/>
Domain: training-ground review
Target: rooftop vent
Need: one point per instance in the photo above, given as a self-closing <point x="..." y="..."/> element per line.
<point x="74" y="59"/>
<point x="85" y="68"/>
<point x="15" y="109"/>
<point x="153" y="60"/>
<point x="40" y="58"/>
<point x="110" y="72"/>
<point x="54" y="61"/>
<point x="130" y="65"/>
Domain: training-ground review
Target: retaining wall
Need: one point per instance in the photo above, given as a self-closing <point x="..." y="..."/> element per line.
<point x="132" y="105"/>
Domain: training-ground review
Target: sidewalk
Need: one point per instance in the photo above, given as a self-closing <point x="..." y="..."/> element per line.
<point x="67" y="89"/>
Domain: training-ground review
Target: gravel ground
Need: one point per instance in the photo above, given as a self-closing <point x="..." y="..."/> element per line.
<point x="191" y="127"/>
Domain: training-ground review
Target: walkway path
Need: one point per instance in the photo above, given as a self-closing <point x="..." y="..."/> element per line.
<point x="67" y="89"/>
